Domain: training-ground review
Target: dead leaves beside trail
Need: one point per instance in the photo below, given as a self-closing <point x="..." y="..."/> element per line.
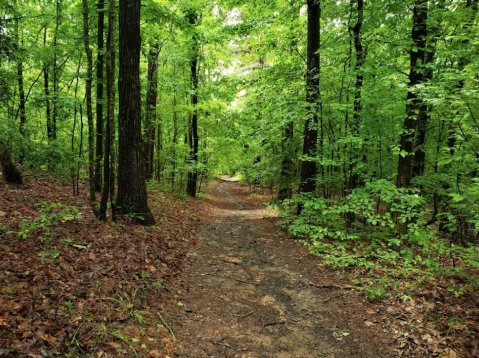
<point x="80" y="287"/>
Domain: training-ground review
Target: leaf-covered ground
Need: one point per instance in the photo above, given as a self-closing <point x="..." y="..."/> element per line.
<point x="73" y="286"/>
<point x="214" y="277"/>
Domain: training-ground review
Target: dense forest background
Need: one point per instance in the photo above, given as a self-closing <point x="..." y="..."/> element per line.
<point x="367" y="109"/>
<point x="359" y="118"/>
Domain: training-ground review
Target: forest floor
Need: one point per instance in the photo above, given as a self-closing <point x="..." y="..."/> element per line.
<point x="214" y="278"/>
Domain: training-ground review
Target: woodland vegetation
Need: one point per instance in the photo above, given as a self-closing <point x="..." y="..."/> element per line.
<point x="360" y="118"/>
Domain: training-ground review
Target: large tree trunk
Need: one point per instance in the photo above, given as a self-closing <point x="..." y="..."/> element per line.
<point x="99" y="96"/>
<point x="10" y="171"/>
<point x="424" y="113"/>
<point x="132" y="198"/>
<point x="88" y="84"/>
<point x="308" y="165"/>
<point x="415" y="108"/>
<point x="360" y="58"/>
<point x="109" y="159"/>
<point x="193" y="173"/>
<point x="151" y="98"/>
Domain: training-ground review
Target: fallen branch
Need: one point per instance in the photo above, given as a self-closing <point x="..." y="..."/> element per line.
<point x="242" y="316"/>
<point x="168" y="327"/>
<point x="241" y="281"/>
<point x="340" y="295"/>
<point x="230" y="347"/>
<point x="240" y="265"/>
<point x="212" y="273"/>
<point x="273" y="323"/>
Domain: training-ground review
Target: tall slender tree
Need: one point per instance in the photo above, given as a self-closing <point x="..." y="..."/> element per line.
<point x="415" y="107"/>
<point x="99" y="95"/>
<point x="310" y="141"/>
<point x="88" y="85"/>
<point x="150" y="117"/>
<point x="360" y="58"/>
<point x="109" y="153"/>
<point x="193" y="172"/>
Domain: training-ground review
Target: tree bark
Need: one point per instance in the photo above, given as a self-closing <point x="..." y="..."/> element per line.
<point x="88" y="85"/>
<point x="52" y="125"/>
<point x="285" y="190"/>
<point x="151" y="98"/>
<point x="308" y="165"/>
<point x="132" y="197"/>
<point x="99" y="96"/>
<point x="360" y="58"/>
<point x="193" y="172"/>
<point x="109" y="153"/>
<point x="10" y="171"/>
<point x="47" y="86"/>
<point x="415" y="108"/>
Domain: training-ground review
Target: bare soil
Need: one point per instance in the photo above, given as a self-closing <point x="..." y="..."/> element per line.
<point x="248" y="291"/>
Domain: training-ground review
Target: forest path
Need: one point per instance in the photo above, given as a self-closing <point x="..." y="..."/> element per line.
<point x="246" y="292"/>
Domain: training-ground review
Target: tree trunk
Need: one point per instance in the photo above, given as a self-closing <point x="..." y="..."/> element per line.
<point x="10" y="171"/>
<point x="285" y="190"/>
<point x="175" y="141"/>
<point x="415" y="108"/>
<point x="132" y="197"/>
<point x="46" y="86"/>
<point x="109" y="158"/>
<point x="99" y="96"/>
<point x="151" y="98"/>
<point x="52" y="125"/>
<point x="88" y="84"/>
<point x="360" y="58"/>
<point x="471" y="8"/>
<point x="308" y="165"/>
<point x="193" y="173"/>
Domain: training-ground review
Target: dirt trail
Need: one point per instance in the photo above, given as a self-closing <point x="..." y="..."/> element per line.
<point x="247" y="293"/>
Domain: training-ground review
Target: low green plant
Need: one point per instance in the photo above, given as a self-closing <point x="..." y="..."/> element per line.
<point x="380" y="227"/>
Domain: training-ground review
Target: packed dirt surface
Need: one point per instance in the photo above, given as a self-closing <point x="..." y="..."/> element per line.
<point x="248" y="291"/>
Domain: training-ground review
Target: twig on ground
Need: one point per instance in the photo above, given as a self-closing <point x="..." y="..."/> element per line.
<point x="168" y="327"/>
<point x="347" y="287"/>
<point x="239" y="264"/>
<point x="242" y="316"/>
<point x="273" y="323"/>
<point x="230" y="347"/>
<point x="212" y="273"/>
<point x="241" y="281"/>
<point x="340" y="295"/>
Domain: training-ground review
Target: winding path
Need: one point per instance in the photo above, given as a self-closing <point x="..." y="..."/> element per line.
<point x="247" y="292"/>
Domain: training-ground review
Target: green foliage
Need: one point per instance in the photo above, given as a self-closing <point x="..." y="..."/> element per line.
<point x="380" y="227"/>
<point x="43" y="225"/>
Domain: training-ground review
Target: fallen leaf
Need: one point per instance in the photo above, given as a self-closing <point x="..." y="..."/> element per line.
<point x="369" y="324"/>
